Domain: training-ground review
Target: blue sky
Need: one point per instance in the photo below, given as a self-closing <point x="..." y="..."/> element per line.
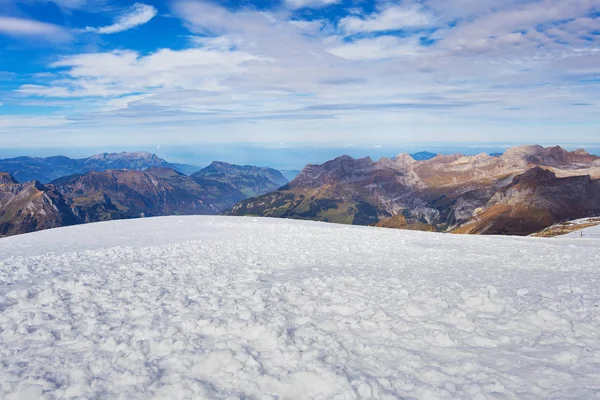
<point x="112" y="74"/>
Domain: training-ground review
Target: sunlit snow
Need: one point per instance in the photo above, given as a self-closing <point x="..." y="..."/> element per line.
<point x="243" y="308"/>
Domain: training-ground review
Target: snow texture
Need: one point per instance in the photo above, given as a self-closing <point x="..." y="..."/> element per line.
<point x="242" y="308"/>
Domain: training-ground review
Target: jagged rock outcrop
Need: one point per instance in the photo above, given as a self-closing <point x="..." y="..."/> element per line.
<point x="31" y="206"/>
<point x="535" y="200"/>
<point x="7" y="179"/>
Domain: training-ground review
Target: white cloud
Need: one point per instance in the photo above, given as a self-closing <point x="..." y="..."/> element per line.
<point x="28" y="27"/>
<point x="221" y="43"/>
<point x="480" y="33"/>
<point x="310" y="3"/>
<point x="120" y="103"/>
<point x="309" y="27"/>
<point x="390" y="18"/>
<point x="258" y="76"/>
<point x="137" y="15"/>
<point x="121" y="72"/>
<point x="379" y="48"/>
<point x="468" y="9"/>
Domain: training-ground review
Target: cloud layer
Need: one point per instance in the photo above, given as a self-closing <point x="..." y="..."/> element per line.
<point x="318" y="70"/>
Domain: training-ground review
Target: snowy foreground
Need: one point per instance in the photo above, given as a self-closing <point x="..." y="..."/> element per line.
<point x="222" y="307"/>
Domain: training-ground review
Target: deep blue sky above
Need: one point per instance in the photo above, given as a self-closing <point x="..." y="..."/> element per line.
<point x="110" y="74"/>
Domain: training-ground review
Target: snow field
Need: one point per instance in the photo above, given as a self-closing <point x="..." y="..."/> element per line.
<point x="242" y="308"/>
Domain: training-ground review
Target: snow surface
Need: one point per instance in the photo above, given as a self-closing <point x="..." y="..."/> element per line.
<point x="242" y="308"/>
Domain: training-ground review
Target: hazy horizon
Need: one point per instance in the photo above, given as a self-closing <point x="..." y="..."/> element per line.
<point x="286" y="157"/>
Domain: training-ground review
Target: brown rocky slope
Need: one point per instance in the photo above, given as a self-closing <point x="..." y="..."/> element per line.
<point x="31" y="206"/>
<point x="442" y="193"/>
<point x="107" y="195"/>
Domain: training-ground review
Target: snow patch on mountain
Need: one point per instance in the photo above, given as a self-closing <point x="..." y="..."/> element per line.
<point x="587" y="232"/>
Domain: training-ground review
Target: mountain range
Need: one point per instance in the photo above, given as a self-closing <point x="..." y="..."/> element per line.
<point x="519" y="192"/>
<point x="250" y="180"/>
<point x="46" y="169"/>
<point x="128" y="193"/>
<point x="522" y="191"/>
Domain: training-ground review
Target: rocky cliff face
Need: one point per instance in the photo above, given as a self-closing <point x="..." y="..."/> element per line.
<point x="31" y="206"/>
<point x="534" y="201"/>
<point x="443" y="192"/>
<point x="7" y="179"/>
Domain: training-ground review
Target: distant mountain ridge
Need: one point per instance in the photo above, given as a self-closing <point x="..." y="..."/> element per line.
<point x="444" y="192"/>
<point x="250" y="180"/>
<point x="108" y="195"/>
<point x="127" y="193"/>
<point x="118" y="194"/>
<point x="46" y="169"/>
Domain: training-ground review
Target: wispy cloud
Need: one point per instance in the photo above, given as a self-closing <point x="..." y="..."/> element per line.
<point x="390" y="18"/>
<point x="28" y="27"/>
<point x="136" y="15"/>
<point x="379" y="48"/>
<point x="531" y="25"/>
<point x="310" y="3"/>
<point x="122" y="72"/>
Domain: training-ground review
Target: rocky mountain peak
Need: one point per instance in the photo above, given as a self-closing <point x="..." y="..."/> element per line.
<point x="340" y="169"/>
<point x="522" y="151"/>
<point x="535" y="175"/>
<point x="249" y="179"/>
<point x="404" y="159"/>
<point x="521" y="156"/>
<point x="475" y="160"/>
<point x="221" y="167"/>
<point x="6" y="178"/>
<point x="581" y="152"/>
<point x="124" y="155"/>
<point x="220" y="164"/>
